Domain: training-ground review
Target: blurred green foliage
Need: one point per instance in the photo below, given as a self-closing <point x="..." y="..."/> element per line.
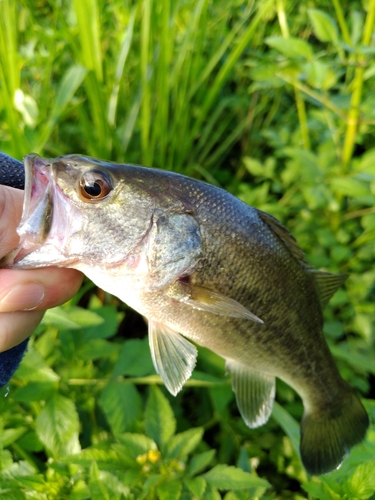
<point x="273" y="100"/>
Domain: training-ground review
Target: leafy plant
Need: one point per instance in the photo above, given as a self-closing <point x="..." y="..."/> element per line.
<point x="272" y="100"/>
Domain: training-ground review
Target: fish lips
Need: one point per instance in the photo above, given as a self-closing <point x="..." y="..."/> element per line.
<point x="40" y="232"/>
<point x="37" y="211"/>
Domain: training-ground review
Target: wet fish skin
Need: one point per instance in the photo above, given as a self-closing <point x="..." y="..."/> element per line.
<point x="197" y="261"/>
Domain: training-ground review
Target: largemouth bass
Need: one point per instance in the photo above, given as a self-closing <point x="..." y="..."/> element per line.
<point x="199" y="264"/>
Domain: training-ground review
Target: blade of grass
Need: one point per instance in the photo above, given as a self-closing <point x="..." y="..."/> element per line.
<point x="159" y="134"/>
<point x="91" y="58"/>
<point x="219" y="53"/>
<point x="225" y="145"/>
<point x="89" y="35"/>
<point x="226" y="69"/>
<point x="300" y="102"/>
<point x="145" y="78"/>
<point x="69" y="84"/>
<point x="355" y="102"/>
<point x="181" y="75"/>
<point x="121" y="61"/>
<point x="287" y="422"/>
<point x="130" y="121"/>
<point x="10" y="74"/>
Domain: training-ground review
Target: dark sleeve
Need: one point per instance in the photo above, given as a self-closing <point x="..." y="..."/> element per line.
<point x="9" y="361"/>
<point x="11" y="172"/>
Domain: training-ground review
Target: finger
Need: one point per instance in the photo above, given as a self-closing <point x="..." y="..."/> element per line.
<point x="16" y="327"/>
<point x="37" y="289"/>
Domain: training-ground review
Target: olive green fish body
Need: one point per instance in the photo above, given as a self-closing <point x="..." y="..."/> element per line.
<point x="200" y="265"/>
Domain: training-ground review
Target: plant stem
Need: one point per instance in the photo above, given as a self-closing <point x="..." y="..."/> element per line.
<point x="355" y="102"/>
<point x="147" y="380"/>
<point x="341" y="21"/>
<point x="315" y="95"/>
<point x="300" y="103"/>
<point x="282" y="18"/>
<point x="302" y="117"/>
<point x="146" y="100"/>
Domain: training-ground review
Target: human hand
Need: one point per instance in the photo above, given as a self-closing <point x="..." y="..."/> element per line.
<point x="26" y="294"/>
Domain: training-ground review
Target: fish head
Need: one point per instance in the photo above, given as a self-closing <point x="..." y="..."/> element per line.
<point x="79" y="209"/>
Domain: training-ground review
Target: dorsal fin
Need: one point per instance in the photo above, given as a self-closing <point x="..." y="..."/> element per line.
<point x="326" y="284"/>
<point x="287" y="239"/>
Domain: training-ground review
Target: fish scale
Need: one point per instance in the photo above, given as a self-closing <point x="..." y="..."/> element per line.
<point x="201" y="265"/>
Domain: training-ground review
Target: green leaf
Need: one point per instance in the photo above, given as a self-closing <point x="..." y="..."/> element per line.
<point x="211" y="493"/>
<point x="122" y="405"/>
<point x="68" y="86"/>
<point x="57" y="316"/>
<point x="34" y="368"/>
<point x="243" y="460"/>
<point x="287" y="422"/>
<point x="170" y="490"/>
<point x="227" y="477"/>
<point x="9" y="436"/>
<point x="151" y="481"/>
<point x="105" y="458"/>
<point x="95" y="349"/>
<point x="104" y="485"/>
<point x="57" y="426"/>
<point x="320" y="490"/>
<point x="134" y="359"/>
<point x="200" y="462"/>
<point x="105" y="330"/>
<point x="221" y="397"/>
<point x="350" y="186"/>
<point x="184" y="443"/>
<point x="290" y="47"/>
<point x="5" y="459"/>
<point x="196" y="485"/>
<point x="35" y="391"/>
<point x="361" y="483"/>
<point x="84" y="317"/>
<point x="324" y="26"/>
<point x="30" y="442"/>
<point x="320" y="75"/>
<point x="133" y="445"/>
<point x="160" y="423"/>
<point x="98" y="488"/>
<point x="27" y="106"/>
<point x="33" y="482"/>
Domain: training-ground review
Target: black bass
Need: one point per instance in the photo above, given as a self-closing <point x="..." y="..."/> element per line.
<point x="200" y="265"/>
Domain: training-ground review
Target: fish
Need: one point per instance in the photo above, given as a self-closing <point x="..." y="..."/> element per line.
<point x="204" y="268"/>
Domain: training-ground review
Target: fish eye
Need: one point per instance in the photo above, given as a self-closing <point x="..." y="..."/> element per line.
<point x="95" y="185"/>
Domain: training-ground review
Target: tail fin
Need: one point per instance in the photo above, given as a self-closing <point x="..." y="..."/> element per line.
<point x="327" y="436"/>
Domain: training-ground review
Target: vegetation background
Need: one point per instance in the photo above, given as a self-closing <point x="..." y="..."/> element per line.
<point x="273" y="100"/>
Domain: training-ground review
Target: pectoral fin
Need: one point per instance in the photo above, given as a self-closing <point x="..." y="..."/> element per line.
<point x="173" y="356"/>
<point x="216" y="303"/>
<point x="255" y="393"/>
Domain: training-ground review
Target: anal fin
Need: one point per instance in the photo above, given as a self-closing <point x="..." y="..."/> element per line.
<point x="173" y="356"/>
<point x="255" y="393"/>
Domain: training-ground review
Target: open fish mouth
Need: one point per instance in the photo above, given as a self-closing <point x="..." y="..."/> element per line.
<point x="43" y="223"/>
<point x="37" y="214"/>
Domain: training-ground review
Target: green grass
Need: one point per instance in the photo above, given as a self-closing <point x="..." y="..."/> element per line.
<point x="272" y="100"/>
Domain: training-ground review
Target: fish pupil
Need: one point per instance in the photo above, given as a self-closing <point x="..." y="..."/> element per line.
<point x="93" y="189"/>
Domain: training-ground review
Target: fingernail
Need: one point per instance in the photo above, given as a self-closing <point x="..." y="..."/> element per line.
<point x="23" y="297"/>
